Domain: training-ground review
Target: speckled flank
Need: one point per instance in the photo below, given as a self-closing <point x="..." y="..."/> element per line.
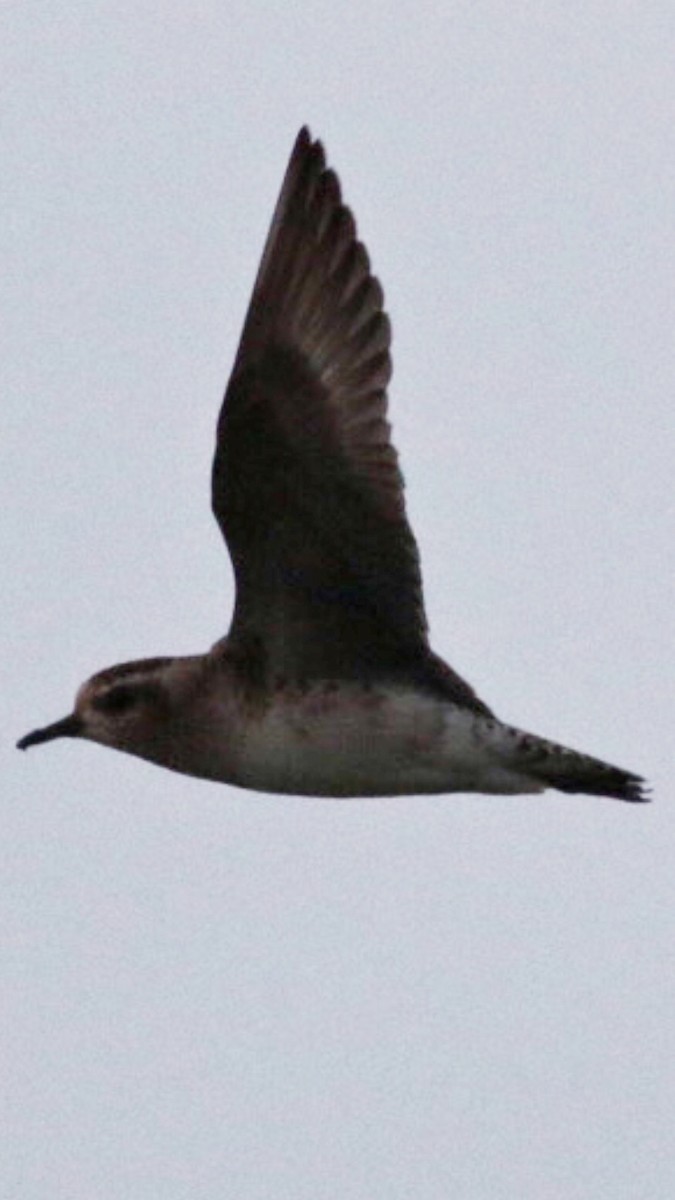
<point x="371" y="742"/>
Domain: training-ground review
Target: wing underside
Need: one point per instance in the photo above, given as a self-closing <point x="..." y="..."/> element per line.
<point x="306" y="485"/>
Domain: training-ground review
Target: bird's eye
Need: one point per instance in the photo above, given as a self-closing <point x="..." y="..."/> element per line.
<point x="116" y="700"/>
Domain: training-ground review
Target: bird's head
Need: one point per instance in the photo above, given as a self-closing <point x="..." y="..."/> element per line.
<point x="128" y="707"/>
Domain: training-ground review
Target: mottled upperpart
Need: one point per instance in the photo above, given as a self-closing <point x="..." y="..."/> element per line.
<point x="326" y="684"/>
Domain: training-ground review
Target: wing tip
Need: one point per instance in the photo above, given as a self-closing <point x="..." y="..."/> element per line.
<point x="305" y="146"/>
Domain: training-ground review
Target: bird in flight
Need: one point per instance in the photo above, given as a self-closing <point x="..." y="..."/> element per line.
<point x="325" y="684"/>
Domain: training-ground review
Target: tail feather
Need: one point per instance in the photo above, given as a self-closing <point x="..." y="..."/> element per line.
<point x="595" y="778"/>
<point x="568" y="771"/>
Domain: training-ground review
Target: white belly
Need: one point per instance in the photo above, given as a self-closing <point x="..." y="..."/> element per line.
<point x="368" y="743"/>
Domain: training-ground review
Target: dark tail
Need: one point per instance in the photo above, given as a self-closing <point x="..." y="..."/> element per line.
<point x="595" y="778"/>
<point x="568" y="771"/>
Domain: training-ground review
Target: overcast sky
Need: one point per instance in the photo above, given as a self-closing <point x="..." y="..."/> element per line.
<point x="210" y="993"/>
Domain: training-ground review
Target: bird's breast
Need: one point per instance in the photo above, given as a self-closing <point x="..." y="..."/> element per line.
<point x="348" y="740"/>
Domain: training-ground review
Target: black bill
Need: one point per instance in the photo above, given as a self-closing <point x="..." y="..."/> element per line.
<point x="70" y="726"/>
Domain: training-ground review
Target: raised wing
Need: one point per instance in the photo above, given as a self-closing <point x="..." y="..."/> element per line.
<point x="306" y="486"/>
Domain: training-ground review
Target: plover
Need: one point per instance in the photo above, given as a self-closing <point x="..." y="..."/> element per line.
<point x="326" y="684"/>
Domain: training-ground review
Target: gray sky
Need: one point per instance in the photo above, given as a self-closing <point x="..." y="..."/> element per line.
<point x="211" y="993"/>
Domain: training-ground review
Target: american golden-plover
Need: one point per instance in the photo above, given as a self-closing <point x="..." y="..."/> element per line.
<point x="326" y="684"/>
